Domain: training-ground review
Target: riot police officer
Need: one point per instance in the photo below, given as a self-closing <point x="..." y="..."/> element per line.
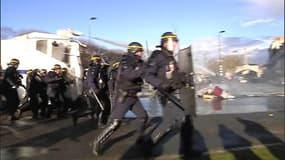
<point x="11" y="81"/>
<point x="163" y="73"/>
<point x="83" y="105"/>
<point x="130" y="80"/>
<point x="97" y="79"/>
<point x="68" y="82"/>
<point x="37" y="94"/>
<point x="55" y="90"/>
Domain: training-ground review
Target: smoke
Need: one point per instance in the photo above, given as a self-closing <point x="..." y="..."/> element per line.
<point x="118" y="44"/>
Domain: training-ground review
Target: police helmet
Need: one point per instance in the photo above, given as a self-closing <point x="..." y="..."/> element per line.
<point x="43" y="71"/>
<point x="14" y="61"/>
<point x="29" y="71"/>
<point x="56" y="66"/>
<point x="134" y="47"/>
<point x="166" y="36"/>
<point x="95" y="58"/>
<point x="64" y="69"/>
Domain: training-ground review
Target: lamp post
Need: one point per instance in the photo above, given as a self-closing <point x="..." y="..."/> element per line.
<point x="221" y="69"/>
<point x="89" y="29"/>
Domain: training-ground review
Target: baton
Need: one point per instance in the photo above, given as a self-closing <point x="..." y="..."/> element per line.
<point x="97" y="99"/>
<point x="171" y="98"/>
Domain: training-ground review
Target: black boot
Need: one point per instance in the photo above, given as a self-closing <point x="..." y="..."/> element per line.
<point x="104" y="136"/>
<point x="74" y="120"/>
<point x="160" y="136"/>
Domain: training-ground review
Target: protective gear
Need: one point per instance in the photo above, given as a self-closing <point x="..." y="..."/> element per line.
<point x="95" y="58"/>
<point x="64" y="70"/>
<point x="29" y="71"/>
<point x="43" y="72"/>
<point x="129" y="76"/>
<point x="134" y="47"/>
<point x="14" y="61"/>
<point x="56" y="66"/>
<point x="104" y="136"/>
<point x="160" y="136"/>
<point x="166" y="85"/>
<point x="167" y="36"/>
<point x="170" y="39"/>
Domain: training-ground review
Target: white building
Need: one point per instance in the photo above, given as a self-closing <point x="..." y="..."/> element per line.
<point x="37" y="50"/>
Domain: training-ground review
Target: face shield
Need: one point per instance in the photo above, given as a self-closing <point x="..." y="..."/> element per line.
<point x="172" y="45"/>
<point x="140" y="53"/>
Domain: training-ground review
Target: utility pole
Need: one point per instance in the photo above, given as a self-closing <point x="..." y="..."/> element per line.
<point x="89" y="31"/>
<point x="221" y="67"/>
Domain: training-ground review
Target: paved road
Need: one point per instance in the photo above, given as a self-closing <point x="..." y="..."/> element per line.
<point x="59" y="139"/>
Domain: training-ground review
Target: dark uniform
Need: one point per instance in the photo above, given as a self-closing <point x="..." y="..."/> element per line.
<point x="55" y="90"/>
<point x="86" y="103"/>
<point x="163" y="73"/>
<point x="37" y="94"/>
<point x="112" y="75"/>
<point x="68" y="81"/>
<point x="97" y="79"/>
<point x="11" y="81"/>
<point x="130" y="80"/>
<point x="25" y="105"/>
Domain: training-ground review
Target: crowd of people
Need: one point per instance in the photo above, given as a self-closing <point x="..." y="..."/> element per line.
<point x="45" y="91"/>
<point x="109" y="91"/>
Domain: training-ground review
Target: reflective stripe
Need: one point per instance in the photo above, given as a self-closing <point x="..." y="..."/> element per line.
<point x="169" y="36"/>
<point x="134" y="47"/>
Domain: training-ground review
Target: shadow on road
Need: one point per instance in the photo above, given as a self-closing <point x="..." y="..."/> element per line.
<point x="232" y="142"/>
<point x="258" y="131"/>
<point x="48" y="139"/>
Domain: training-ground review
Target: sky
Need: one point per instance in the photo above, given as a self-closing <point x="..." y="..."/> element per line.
<point x="248" y="24"/>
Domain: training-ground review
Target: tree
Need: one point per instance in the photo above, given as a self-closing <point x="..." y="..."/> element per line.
<point x="229" y="63"/>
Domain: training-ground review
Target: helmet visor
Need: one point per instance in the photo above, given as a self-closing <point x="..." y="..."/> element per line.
<point x="171" y="44"/>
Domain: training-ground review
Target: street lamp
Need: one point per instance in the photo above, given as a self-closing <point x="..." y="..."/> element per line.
<point x="221" y="70"/>
<point x="89" y="28"/>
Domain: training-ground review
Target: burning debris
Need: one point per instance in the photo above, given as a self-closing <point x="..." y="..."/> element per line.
<point x="214" y="93"/>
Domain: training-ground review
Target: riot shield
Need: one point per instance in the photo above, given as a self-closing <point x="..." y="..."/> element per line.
<point x="187" y="93"/>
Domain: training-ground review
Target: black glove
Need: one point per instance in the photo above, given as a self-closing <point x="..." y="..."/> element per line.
<point x="166" y="85"/>
<point x="178" y="80"/>
<point x="189" y="79"/>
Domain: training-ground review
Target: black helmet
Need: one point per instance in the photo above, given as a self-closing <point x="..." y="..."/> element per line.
<point x="95" y="58"/>
<point x="14" y="61"/>
<point x="56" y="66"/>
<point x="134" y="47"/>
<point x="168" y="35"/>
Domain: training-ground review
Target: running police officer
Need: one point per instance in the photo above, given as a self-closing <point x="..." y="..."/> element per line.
<point x="11" y="81"/>
<point x="130" y="80"/>
<point x="83" y="104"/>
<point x="163" y="73"/>
<point x="97" y="79"/>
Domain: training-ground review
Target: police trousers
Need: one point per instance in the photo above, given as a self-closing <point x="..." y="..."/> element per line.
<point x="172" y="117"/>
<point x="133" y="104"/>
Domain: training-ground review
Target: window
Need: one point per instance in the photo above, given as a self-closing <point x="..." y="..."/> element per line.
<point x="42" y="46"/>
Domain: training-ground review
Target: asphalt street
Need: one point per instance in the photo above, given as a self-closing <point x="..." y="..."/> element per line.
<point x="59" y="139"/>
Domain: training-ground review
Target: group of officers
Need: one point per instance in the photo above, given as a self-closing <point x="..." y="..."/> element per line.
<point x="114" y="88"/>
<point x="162" y="72"/>
<point x="44" y="91"/>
